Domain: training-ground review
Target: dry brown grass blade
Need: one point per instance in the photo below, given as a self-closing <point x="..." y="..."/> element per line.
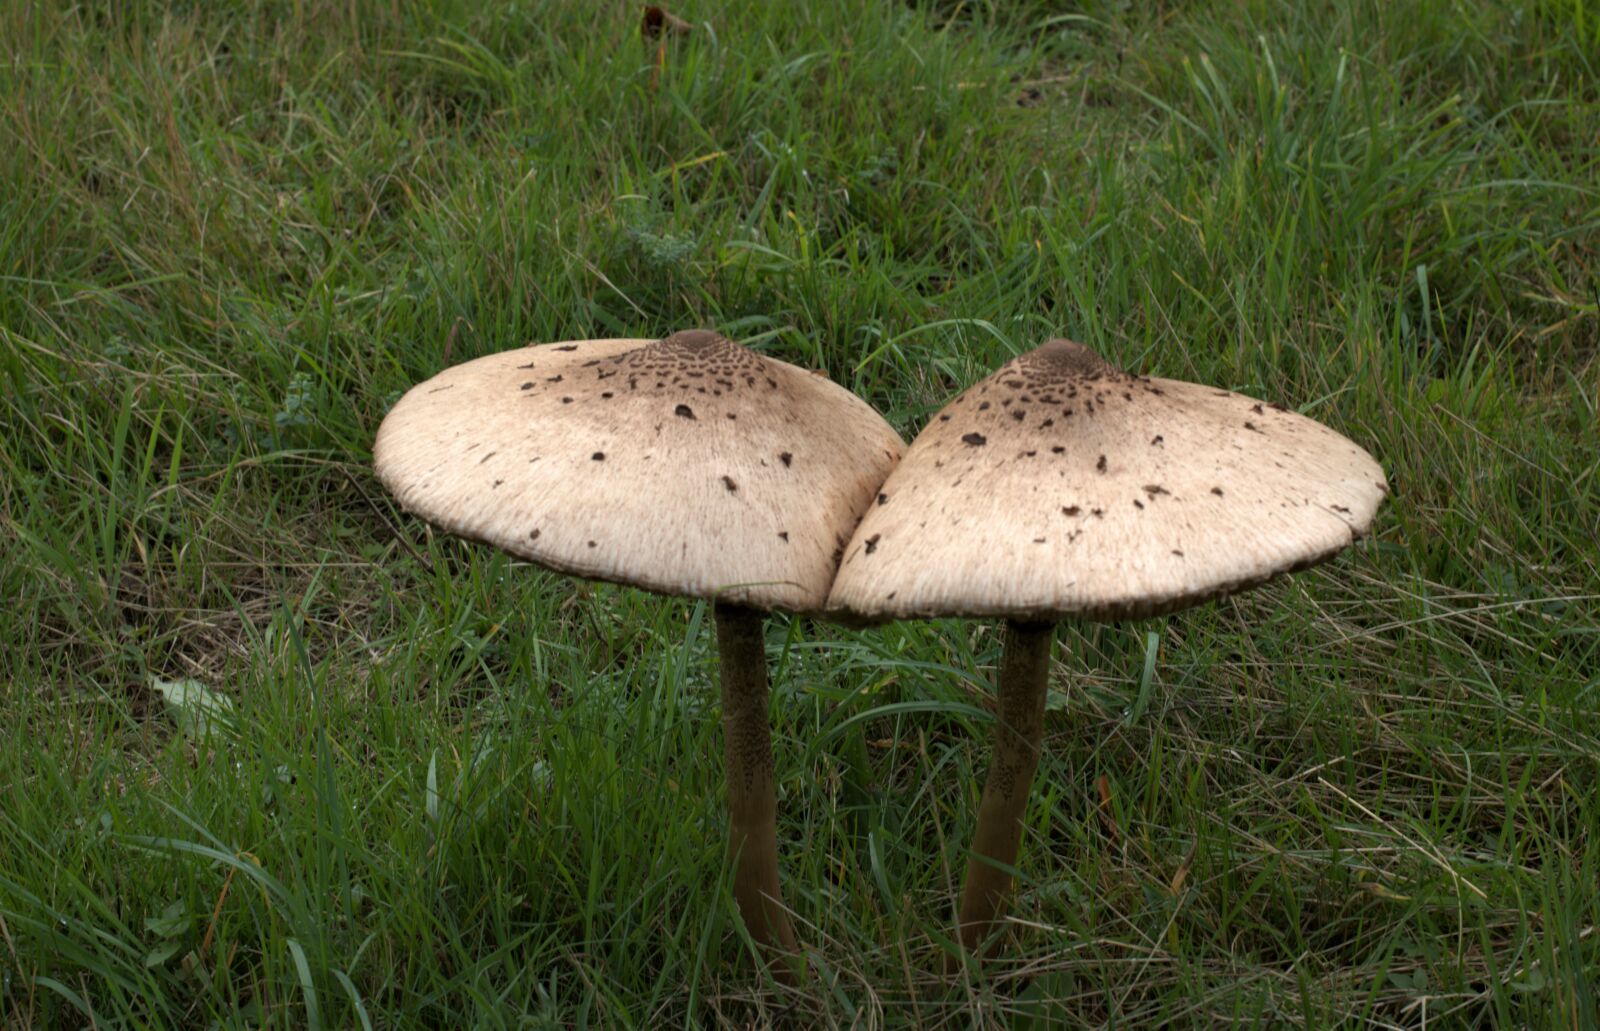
<point x="1102" y="786"/>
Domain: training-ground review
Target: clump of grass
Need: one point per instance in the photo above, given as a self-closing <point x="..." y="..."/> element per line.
<point x="457" y="791"/>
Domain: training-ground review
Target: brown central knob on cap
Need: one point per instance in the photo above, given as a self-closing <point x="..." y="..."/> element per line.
<point x="696" y="341"/>
<point x="1061" y="357"/>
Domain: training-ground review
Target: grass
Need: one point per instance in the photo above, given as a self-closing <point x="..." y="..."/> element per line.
<point x="457" y="791"/>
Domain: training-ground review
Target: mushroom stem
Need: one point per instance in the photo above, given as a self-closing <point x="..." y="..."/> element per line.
<point x="752" y="799"/>
<point x="1019" y="727"/>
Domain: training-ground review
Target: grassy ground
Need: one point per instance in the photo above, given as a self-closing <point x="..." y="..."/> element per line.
<point x="457" y="791"/>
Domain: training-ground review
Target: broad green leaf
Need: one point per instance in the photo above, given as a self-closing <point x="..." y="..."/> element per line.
<point x="195" y="708"/>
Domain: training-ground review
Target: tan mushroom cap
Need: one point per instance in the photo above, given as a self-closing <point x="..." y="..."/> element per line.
<point x="1059" y="486"/>
<point x="687" y="466"/>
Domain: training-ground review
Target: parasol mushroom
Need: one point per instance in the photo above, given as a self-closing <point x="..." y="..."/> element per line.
<point x="1060" y="487"/>
<point x="688" y="466"/>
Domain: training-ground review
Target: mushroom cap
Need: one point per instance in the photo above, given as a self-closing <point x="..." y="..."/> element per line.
<point x="1060" y="486"/>
<point x="686" y="466"/>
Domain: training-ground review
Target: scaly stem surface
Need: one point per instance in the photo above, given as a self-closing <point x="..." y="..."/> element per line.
<point x="1019" y="726"/>
<point x="752" y="799"/>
